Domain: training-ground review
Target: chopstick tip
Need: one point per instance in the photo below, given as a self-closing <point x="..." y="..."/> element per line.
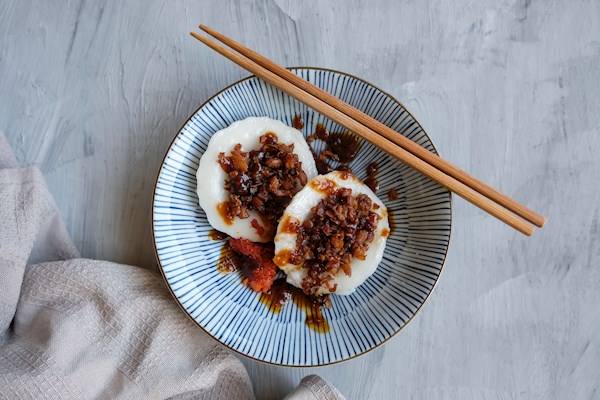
<point x="206" y="29"/>
<point x="528" y="231"/>
<point x="542" y="222"/>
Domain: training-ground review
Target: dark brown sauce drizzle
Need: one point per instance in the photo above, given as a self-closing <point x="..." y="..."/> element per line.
<point x="282" y="258"/>
<point x="322" y="166"/>
<point x="343" y="168"/>
<point x="277" y="297"/>
<point x="290" y="225"/>
<point x="345" y="175"/>
<point x="217" y="235"/>
<point x="371" y="180"/>
<point x="323" y="185"/>
<point x="321" y="132"/>
<point x="391" y="222"/>
<point x="340" y="146"/>
<point x="223" y="209"/>
<point x="226" y="262"/>
<point x="345" y="145"/>
<point x="271" y="135"/>
<point x="298" y="122"/>
<point x="313" y="309"/>
<point x="281" y="292"/>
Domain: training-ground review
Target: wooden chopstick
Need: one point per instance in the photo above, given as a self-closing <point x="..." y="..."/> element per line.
<point x="373" y="137"/>
<point x="383" y="130"/>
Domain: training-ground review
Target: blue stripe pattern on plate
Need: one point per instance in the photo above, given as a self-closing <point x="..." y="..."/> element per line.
<point x="231" y="312"/>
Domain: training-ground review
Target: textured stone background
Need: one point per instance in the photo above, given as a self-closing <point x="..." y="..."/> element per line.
<point x="92" y="92"/>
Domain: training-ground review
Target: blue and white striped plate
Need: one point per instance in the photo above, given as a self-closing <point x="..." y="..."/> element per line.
<point x="231" y="312"/>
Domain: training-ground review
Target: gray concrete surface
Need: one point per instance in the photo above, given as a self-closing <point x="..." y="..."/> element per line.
<point x="92" y="92"/>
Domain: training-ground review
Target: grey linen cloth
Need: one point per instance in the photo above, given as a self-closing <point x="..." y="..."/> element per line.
<point x="73" y="328"/>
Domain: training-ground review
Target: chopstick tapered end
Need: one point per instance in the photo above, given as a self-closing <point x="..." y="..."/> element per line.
<point x="529" y="232"/>
<point x="542" y="222"/>
<point x="199" y="37"/>
<point x="208" y="30"/>
<point x="534" y="218"/>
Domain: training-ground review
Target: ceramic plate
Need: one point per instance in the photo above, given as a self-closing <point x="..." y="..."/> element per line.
<point x="232" y="313"/>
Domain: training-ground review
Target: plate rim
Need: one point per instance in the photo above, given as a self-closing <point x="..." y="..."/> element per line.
<point x="160" y="267"/>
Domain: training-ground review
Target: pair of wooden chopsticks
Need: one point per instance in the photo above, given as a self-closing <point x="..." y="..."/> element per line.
<point x="458" y="181"/>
